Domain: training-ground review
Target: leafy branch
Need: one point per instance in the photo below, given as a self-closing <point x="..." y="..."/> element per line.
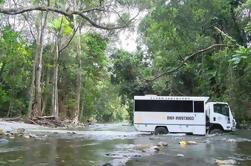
<point x="183" y="62"/>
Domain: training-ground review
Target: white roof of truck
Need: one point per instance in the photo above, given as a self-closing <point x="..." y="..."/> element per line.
<point x="155" y="97"/>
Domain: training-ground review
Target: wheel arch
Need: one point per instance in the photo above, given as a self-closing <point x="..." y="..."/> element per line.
<point x="161" y="126"/>
<point x="161" y="130"/>
<point x="216" y="126"/>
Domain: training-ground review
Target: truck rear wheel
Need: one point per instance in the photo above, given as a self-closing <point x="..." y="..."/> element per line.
<point x="216" y="131"/>
<point x="160" y="130"/>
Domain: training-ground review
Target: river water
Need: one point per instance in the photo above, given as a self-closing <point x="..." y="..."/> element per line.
<point x="120" y="144"/>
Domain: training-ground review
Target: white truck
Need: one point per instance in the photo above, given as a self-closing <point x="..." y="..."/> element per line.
<point x="181" y="114"/>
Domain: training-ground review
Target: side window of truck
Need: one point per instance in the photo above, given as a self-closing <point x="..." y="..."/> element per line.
<point x="221" y="109"/>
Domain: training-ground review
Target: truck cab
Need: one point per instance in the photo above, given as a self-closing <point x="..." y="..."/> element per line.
<point x="219" y="117"/>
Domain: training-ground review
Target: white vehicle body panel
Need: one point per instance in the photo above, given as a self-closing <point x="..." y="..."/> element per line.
<point x="175" y="122"/>
<point x="227" y="122"/>
<point x="178" y="122"/>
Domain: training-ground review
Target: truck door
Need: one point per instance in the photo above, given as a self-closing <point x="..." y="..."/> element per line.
<point x="222" y="115"/>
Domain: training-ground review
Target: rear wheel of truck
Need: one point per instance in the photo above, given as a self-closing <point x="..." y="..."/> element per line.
<point x="160" y="130"/>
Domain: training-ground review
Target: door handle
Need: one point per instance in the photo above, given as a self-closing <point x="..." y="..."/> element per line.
<point x="214" y="119"/>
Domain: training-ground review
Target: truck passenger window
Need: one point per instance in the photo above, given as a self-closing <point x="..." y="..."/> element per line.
<point x="163" y="106"/>
<point x="198" y="106"/>
<point x="221" y="109"/>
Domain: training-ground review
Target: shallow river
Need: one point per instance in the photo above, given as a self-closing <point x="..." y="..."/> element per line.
<point x="120" y="144"/>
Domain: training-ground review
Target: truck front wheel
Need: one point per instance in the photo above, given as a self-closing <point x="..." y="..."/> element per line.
<point x="216" y="131"/>
<point x="160" y="130"/>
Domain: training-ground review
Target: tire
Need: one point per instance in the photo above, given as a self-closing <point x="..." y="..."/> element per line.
<point x="160" y="130"/>
<point x="216" y="131"/>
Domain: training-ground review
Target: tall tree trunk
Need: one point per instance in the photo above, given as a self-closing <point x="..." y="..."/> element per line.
<point x="55" y="82"/>
<point x="55" y="104"/>
<point x="46" y="94"/>
<point x="79" y="79"/>
<point x="35" y="96"/>
<point x="47" y="83"/>
<point x="10" y="108"/>
<point x="79" y="74"/>
<point x="81" y="110"/>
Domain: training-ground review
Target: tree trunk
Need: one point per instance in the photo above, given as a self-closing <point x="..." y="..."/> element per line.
<point x="46" y="94"/>
<point x="35" y="93"/>
<point x="10" y="109"/>
<point x="81" y="110"/>
<point x="79" y="79"/>
<point x="55" y="83"/>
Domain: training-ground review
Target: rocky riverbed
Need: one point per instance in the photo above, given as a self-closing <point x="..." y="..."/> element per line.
<point x="117" y="144"/>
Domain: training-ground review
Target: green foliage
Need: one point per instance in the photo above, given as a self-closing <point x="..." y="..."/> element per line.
<point x="128" y="71"/>
<point x="240" y="54"/>
<point x="248" y="28"/>
<point x="15" y="64"/>
<point x="61" y="25"/>
<point x="108" y="106"/>
<point x="171" y="31"/>
<point x="177" y="29"/>
<point x="94" y="47"/>
<point x="99" y="97"/>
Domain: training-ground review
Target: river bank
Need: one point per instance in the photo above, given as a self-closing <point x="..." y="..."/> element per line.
<point x="11" y="130"/>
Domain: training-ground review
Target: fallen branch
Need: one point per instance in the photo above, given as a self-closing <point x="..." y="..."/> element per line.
<point x="46" y="117"/>
<point x="30" y="121"/>
<point x="12" y="119"/>
<point x="49" y="121"/>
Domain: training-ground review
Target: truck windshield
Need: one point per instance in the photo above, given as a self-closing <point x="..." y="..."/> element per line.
<point x="221" y="109"/>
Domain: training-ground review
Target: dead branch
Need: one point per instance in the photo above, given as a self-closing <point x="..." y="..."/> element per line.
<point x="12" y="119"/>
<point x="30" y="121"/>
<point x="49" y="121"/>
<point x="46" y="117"/>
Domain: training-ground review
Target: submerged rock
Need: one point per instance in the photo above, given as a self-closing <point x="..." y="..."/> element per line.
<point x="142" y="147"/>
<point x="33" y="136"/>
<point x="154" y="138"/>
<point x="180" y="155"/>
<point x="225" y="162"/>
<point x="26" y="136"/>
<point x="155" y="148"/>
<point x="161" y="144"/>
<point x="107" y="164"/>
<point x="3" y="141"/>
<point x="110" y="154"/>
<point x="8" y="134"/>
<point x="137" y="156"/>
<point x="184" y="142"/>
<point x="192" y="142"/>
<point x="20" y="131"/>
<point x="150" y="148"/>
<point x="1" y="132"/>
<point x="231" y="140"/>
